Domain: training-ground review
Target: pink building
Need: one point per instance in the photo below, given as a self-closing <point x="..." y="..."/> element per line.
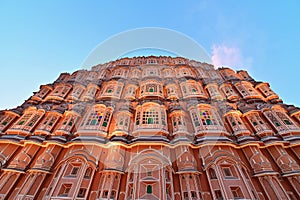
<point x="151" y="128"/>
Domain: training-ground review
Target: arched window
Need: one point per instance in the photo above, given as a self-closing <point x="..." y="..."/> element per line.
<point x="202" y="73"/>
<point x="214" y="91"/>
<point x="49" y="122"/>
<point x="119" y="72"/>
<point x="90" y="92"/>
<point x="68" y="121"/>
<point x="136" y="73"/>
<point x="229" y="92"/>
<point x="247" y="90"/>
<point x="178" y="121"/>
<point x="279" y="119"/>
<point x="123" y="121"/>
<point x="130" y="92"/>
<point x="102" y="74"/>
<point x="88" y="173"/>
<point x="6" y="119"/>
<point x="265" y="89"/>
<point x="151" y="88"/>
<point x="150" y="115"/>
<point x="112" y="89"/>
<point x="168" y="73"/>
<point x="191" y="88"/>
<point x="244" y="75"/>
<point x="212" y="173"/>
<point x="205" y="117"/>
<point x="172" y="91"/>
<point x="257" y="122"/>
<point x="76" y="93"/>
<point x="91" y="76"/>
<point x="236" y="123"/>
<point x="151" y="71"/>
<point x="43" y="92"/>
<point x="149" y="189"/>
<point x="29" y="119"/>
<point x="97" y="118"/>
<point x="59" y="92"/>
<point x="184" y="71"/>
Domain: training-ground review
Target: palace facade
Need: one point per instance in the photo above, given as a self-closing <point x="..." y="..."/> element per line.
<point x="151" y="128"/>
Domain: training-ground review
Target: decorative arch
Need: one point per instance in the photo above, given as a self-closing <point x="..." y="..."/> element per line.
<point x="149" y="164"/>
<point x="259" y="162"/>
<point x="81" y="154"/>
<point x="149" y="153"/>
<point x="21" y="160"/>
<point x="218" y="156"/>
<point x="45" y="161"/>
<point x="68" y="175"/>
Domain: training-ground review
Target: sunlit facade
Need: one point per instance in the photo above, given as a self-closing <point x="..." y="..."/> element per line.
<point x="151" y="128"/>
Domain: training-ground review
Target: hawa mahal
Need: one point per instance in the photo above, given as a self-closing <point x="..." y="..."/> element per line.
<point x="151" y="128"/>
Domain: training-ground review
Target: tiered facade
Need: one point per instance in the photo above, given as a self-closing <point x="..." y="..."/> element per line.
<point x="151" y="128"/>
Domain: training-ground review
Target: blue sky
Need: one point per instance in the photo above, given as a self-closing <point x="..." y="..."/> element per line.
<point x="41" y="39"/>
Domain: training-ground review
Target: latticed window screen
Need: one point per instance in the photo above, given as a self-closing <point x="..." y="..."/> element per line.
<point x="25" y="118"/>
<point x="195" y="119"/>
<point x="256" y="120"/>
<point x="77" y="92"/>
<point x="65" y="90"/>
<point x="207" y="118"/>
<point x="5" y="119"/>
<point x="138" y="118"/>
<point x="284" y="118"/>
<point x="273" y="119"/>
<point x="234" y="120"/>
<point x="163" y="118"/>
<point x="177" y="121"/>
<point x="194" y="90"/>
<point x="123" y="121"/>
<point x="28" y="120"/>
<point x="42" y="92"/>
<point x="131" y="90"/>
<point x="91" y="91"/>
<point x="151" y="88"/>
<point x="48" y="122"/>
<point x="58" y="89"/>
<point x="110" y="90"/>
<point x="94" y="118"/>
<point x="106" y="119"/>
<point x="183" y="89"/>
<point x="33" y="120"/>
<point x="68" y="122"/>
<point x="151" y="116"/>
<point x="118" y="89"/>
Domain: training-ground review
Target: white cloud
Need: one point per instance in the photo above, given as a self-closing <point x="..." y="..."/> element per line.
<point x="229" y="56"/>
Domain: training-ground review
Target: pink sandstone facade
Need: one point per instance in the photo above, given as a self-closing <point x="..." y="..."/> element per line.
<point x="151" y="128"/>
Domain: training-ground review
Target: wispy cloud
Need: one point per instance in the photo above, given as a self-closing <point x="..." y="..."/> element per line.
<point x="232" y="57"/>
